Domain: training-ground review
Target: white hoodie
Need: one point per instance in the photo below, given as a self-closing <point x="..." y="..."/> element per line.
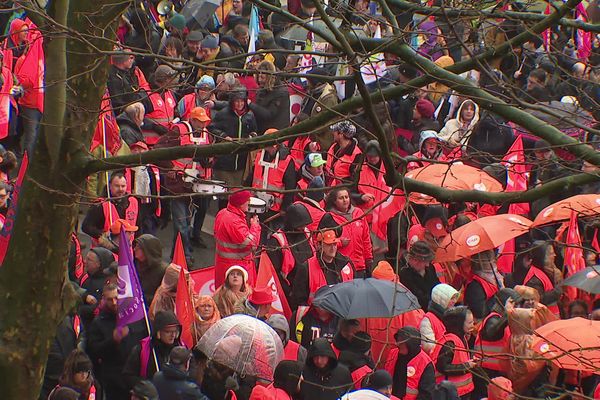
<point x="453" y="132"/>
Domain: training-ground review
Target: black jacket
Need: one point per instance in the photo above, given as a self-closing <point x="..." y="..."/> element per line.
<point x="226" y="123"/>
<point x="130" y="132"/>
<point x="419" y="285"/>
<point x="124" y="89"/>
<point x="173" y="384"/>
<point x="272" y="108"/>
<point x="324" y="384"/>
<point x="93" y="224"/>
<point x="427" y="382"/>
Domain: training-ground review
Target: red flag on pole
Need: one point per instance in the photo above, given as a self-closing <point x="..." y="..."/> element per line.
<point x="184" y="310"/>
<point x="386" y="211"/>
<point x="179" y="253"/>
<point x="517" y="174"/>
<point x="11" y="215"/>
<point x="267" y="277"/>
<point x="204" y="281"/>
<point x="574" y="260"/>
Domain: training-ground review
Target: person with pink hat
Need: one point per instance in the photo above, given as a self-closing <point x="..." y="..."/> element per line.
<point x="235" y="238"/>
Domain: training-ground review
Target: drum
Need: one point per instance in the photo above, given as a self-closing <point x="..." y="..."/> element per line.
<point x="209" y="187"/>
<point x="257" y="206"/>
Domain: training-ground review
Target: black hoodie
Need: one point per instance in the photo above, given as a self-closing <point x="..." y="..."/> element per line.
<point x="152" y="270"/>
<point x="324" y="384"/>
<point x="427" y="382"/>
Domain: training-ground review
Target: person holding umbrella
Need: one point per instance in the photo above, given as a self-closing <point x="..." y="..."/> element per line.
<point x="326" y="267"/>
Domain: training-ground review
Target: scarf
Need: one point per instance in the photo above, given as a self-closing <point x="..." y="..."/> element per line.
<point x="226" y="299"/>
<point x="202" y="325"/>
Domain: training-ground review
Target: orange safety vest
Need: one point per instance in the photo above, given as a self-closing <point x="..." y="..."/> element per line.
<point x="414" y="370"/>
<point x="437" y="325"/>
<point x="156" y="173"/>
<point x="489" y="288"/>
<point x="440" y="272"/>
<point x="291" y="351"/>
<point x="189" y="103"/>
<point x="269" y="175"/>
<point x="339" y="167"/>
<point x="131" y="213"/>
<point x="359" y="374"/>
<point x="371" y="182"/>
<point x="187" y="139"/>
<point x="463" y="383"/>
<point x="316" y="277"/>
<point x="163" y="112"/>
<point x="491" y="351"/>
<point x="548" y="286"/>
<point x="6" y="101"/>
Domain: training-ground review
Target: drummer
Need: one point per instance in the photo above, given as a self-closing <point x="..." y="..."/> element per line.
<point x="273" y="169"/>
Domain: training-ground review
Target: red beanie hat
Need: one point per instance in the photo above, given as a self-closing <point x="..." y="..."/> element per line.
<point x="425" y="108"/>
<point x="239" y="198"/>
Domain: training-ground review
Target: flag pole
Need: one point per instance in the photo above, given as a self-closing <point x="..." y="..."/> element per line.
<point x="110" y="216"/>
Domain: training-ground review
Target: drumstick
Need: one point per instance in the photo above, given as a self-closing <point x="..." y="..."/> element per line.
<point x="272" y="217"/>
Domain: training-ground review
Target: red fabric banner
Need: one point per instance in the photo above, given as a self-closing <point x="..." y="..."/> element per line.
<point x="574" y="260"/>
<point x="204" y="281"/>
<point x="267" y="277"/>
<point x="184" y="310"/>
<point x="179" y="254"/>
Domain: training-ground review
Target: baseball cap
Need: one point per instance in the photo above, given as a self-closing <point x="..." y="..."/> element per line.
<point x="115" y="229"/>
<point x="200" y="114"/>
<point x="328" y="237"/>
<point x="315" y="160"/>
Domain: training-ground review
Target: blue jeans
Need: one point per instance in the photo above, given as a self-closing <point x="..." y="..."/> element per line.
<point x="181" y="212"/>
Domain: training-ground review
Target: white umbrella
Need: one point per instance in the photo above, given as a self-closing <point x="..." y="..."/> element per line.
<point x="244" y="344"/>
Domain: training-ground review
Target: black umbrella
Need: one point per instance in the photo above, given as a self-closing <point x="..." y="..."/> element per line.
<point x="366" y="298"/>
<point x="587" y="280"/>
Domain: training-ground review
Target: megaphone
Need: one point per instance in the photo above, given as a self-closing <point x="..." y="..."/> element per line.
<point x="165" y="8"/>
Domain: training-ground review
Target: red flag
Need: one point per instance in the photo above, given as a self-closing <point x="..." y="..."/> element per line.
<point x="386" y="211"/>
<point x="574" y="260"/>
<point x="179" y="253"/>
<point x="106" y="127"/>
<point x="184" y="310"/>
<point x="506" y="257"/>
<point x="268" y="278"/>
<point x="204" y="281"/>
<point x="584" y="38"/>
<point x="11" y="215"/>
<point x="547" y="34"/>
<point x="517" y="175"/>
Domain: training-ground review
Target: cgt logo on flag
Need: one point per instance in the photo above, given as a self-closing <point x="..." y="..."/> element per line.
<point x="267" y="278"/>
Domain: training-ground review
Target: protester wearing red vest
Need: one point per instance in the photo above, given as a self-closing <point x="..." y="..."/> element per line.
<point x="355" y="242"/>
<point x="494" y="334"/>
<point x="100" y="217"/>
<point x="327" y="267"/>
<point x="235" y="239"/>
<point x="274" y="171"/>
<point x="344" y="155"/>
<point x="162" y="104"/>
<point x="203" y="96"/>
<point x="485" y="283"/>
<point x="309" y="170"/>
<point x="372" y="188"/>
<point x="411" y="368"/>
<point x="291" y="246"/>
<point x="291" y="350"/>
<point x="432" y="328"/>
<point x="453" y="361"/>
<point x="286" y="381"/>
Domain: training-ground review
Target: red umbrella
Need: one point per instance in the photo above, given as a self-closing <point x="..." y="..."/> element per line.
<point x="452" y="176"/>
<point x="585" y="205"/>
<point x="483" y="234"/>
<point x="570" y="343"/>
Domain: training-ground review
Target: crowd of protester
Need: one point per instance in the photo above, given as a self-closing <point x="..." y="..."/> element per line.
<point x="176" y="83"/>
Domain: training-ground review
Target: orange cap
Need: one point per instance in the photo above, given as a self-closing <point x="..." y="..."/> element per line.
<point x="200" y="114"/>
<point x="271" y="130"/>
<point x="327" y="237"/>
<point x="115" y="229"/>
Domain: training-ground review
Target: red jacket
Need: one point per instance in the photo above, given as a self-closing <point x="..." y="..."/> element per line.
<point x="360" y="248"/>
<point x="234" y="242"/>
<point x="414" y="370"/>
<point x="339" y="162"/>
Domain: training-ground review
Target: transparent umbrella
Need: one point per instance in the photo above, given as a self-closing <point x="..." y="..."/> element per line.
<point x="245" y="344"/>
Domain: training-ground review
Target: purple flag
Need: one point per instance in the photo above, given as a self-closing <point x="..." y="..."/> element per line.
<point x="131" y="297"/>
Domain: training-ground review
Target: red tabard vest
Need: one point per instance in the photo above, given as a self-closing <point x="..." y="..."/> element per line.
<point x="414" y="370"/>
<point x="339" y="167"/>
<point x="163" y="113"/>
<point x="489" y="288"/>
<point x="316" y="213"/>
<point x="359" y="374"/>
<point x="189" y="103"/>
<point x="186" y="139"/>
<point x="131" y="213"/>
<point x="463" y="383"/>
<point x="6" y="100"/>
<point x="290" y="351"/>
<point x="490" y="351"/>
<point x="273" y="179"/>
<point x="298" y="150"/>
<point x="368" y="183"/>
<point x="79" y="268"/>
<point x="316" y="277"/>
<point x="288" y="261"/>
<point x="548" y="286"/>
<point x="156" y="173"/>
<point x="437" y="325"/>
<point x="440" y="272"/>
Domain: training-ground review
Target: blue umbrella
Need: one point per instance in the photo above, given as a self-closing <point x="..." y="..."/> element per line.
<point x="366" y="298"/>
